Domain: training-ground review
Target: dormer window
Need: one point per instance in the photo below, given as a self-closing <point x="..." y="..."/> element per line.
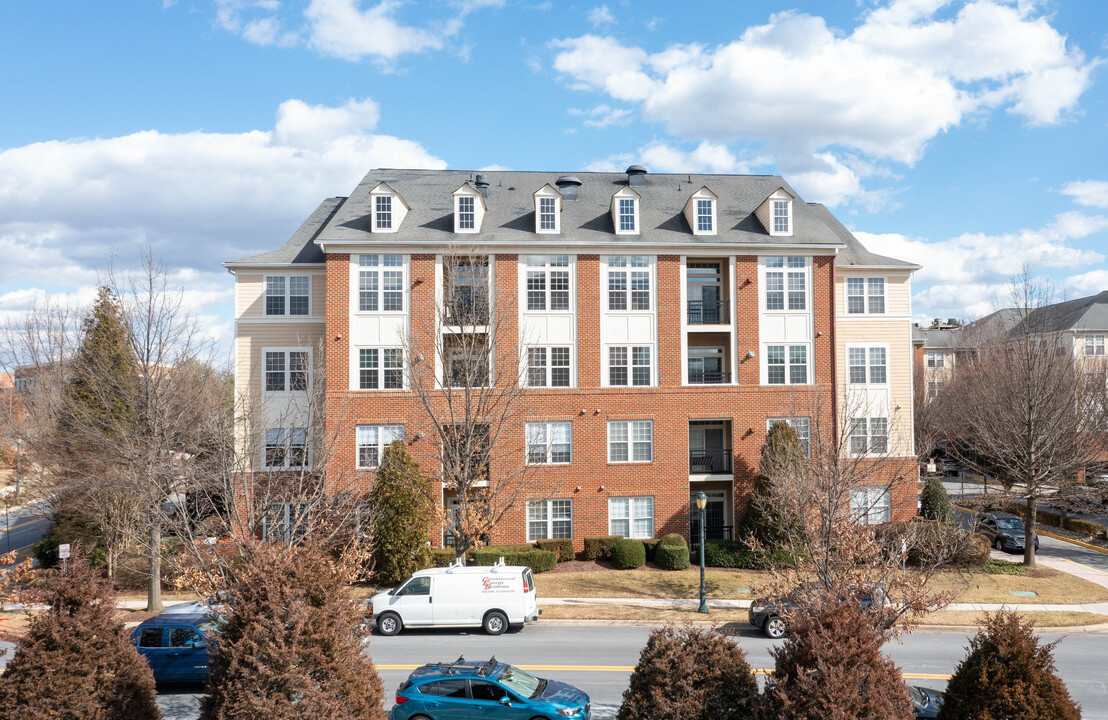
<point x="548" y="207"/>
<point x="627" y="214"/>
<point x="383" y="217"/>
<point x="704" y="222"/>
<point x="781" y="217"/>
<point x="547" y="214"/>
<point x="466" y="214"/>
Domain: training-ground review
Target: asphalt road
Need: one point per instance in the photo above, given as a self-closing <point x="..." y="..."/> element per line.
<point x="598" y="660"/>
<point x="21" y="529"/>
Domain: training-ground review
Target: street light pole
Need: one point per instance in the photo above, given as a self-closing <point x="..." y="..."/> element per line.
<point x="701" y="502"/>
<point x="18" y="459"/>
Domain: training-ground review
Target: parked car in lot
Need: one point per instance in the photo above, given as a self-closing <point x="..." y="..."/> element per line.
<point x="926" y="702"/>
<point x="768" y="614"/>
<point x="176" y="646"/>
<point x="491" y="597"/>
<point x="950" y="467"/>
<point x="1004" y="530"/>
<point x="476" y="690"/>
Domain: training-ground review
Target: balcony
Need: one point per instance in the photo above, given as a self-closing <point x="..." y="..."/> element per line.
<point x="708" y="377"/>
<point x="708" y="313"/>
<point x="467" y="311"/>
<point x="709" y="460"/>
<point x="711" y="532"/>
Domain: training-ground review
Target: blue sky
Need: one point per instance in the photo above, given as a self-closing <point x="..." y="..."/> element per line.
<point x="967" y="136"/>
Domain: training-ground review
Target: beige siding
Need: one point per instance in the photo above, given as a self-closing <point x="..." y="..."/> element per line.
<point x="898" y="295"/>
<point x="250" y="291"/>
<point x="252" y="337"/>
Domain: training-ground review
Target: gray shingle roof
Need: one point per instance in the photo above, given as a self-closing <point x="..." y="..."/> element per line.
<point x="998" y="323"/>
<point x="510" y="218"/>
<point x="855" y="253"/>
<point x="300" y="248"/>
<point x="1088" y="313"/>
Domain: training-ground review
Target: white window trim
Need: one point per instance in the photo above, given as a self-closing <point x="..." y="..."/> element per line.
<point x="557" y="198"/>
<point x="606" y="380"/>
<point x="549" y="520"/>
<point x="867" y="305"/>
<point x="867" y="423"/>
<point x="626" y="194"/>
<point x="380" y="445"/>
<point x="380" y="368"/>
<point x="869" y="373"/>
<point x="788" y="364"/>
<point x="548" y="427"/>
<point x="631" y="516"/>
<point x="468" y="191"/>
<point x="652" y="276"/>
<point x="285" y="433"/>
<point x="549" y="366"/>
<point x="630" y="442"/>
<point x="1102" y="345"/>
<point x="287" y="295"/>
<point x="763" y="269"/>
<point x="287" y="371"/>
<point x="773" y="220"/>
<point x="380" y="268"/>
<point x="876" y="498"/>
<point x="285" y="520"/>
<point x="793" y="423"/>
<point x="546" y="269"/>
<point x="377" y="226"/>
<point x="934" y="359"/>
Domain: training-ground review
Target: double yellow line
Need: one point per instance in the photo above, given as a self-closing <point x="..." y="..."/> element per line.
<point x="630" y="668"/>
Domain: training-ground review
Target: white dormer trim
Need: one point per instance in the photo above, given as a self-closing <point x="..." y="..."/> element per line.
<point x="548" y="192"/>
<point x="765" y="213"/>
<point x="398" y="209"/>
<point x="467" y="190"/>
<point x="627" y="194"/>
<point x="692" y="214"/>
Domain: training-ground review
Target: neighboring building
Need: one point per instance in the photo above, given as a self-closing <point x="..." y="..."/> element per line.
<point x="665" y="321"/>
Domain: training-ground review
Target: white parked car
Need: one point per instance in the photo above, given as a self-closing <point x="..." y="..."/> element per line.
<point x="491" y="597"/>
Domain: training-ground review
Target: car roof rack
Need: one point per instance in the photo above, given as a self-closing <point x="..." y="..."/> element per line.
<point x="460" y="665"/>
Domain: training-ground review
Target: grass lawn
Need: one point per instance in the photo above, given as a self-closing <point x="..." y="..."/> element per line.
<point x="1041" y="619"/>
<point x="1050" y="586"/>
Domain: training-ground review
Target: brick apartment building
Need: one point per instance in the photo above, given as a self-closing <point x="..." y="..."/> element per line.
<point x="661" y="323"/>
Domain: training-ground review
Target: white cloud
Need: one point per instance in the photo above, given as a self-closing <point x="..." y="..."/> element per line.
<point x="196" y="198"/>
<point x="910" y="71"/>
<point x="603" y="115"/>
<point x="663" y="157"/>
<point x="1085" y="284"/>
<point x="1091" y="193"/>
<point x="340" y="28"/>
<point x="601" y="16"/>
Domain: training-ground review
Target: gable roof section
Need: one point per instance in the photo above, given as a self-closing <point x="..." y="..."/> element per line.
<point x="1088" y="313"/>
<point x="855" y="253"/>
<point x="301" y="248"/>
<point x="509" y="219"/>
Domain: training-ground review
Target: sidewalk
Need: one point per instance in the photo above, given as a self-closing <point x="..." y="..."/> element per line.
<point x="1099" y="608"/>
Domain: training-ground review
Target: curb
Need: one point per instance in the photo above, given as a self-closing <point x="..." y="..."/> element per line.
<point x="1072" y="541"/>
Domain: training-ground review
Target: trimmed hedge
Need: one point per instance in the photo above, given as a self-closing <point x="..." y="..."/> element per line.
<point x="563" y="548"/>
<point x="731" y="554"/>
<point x="1085" y="527"/>
<point x="1051" y="518"/>
<point x="600" y="547"/>
<point x="673" y="540"/>
<point x="671" y="557"/>
<point x="538" y="560"/>
<point x="443" y="557"/>
<point x="628" y="554"/>
<point x="650" y="544"/>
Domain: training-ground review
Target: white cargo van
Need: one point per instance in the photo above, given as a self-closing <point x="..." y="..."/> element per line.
<point x="491" y="597"/>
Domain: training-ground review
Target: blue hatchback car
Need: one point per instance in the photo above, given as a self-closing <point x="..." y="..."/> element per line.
<point x="475" y="690"/>
<point x="176" y="646"/>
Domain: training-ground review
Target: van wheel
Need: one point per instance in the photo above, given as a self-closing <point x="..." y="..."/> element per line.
<point x="495" y="623"/>
<point x="389" y="624"/>
<point x="774" y="627"/>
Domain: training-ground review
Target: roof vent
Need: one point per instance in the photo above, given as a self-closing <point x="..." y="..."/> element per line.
<point x="481" y="182"/>
<point x="567" y="186"/>
<point x="636" y="176"/>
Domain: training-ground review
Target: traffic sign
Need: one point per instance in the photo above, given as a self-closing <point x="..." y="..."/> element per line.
<point x="63" y="551"/>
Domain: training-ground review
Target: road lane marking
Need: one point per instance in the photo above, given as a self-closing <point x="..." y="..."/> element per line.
<point x="631" y="668"/>
<point x="24" y="524"/>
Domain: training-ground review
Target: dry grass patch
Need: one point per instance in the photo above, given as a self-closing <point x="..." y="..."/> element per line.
<point x="1049" y="586"/>
<point x="1041" y="619"/>
<point x="629" y="612"/>
<point x="719" y="582"/>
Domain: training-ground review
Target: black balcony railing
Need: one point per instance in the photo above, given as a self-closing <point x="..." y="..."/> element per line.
<point x="711" y="460"/>
<point x="711" y="532"/>
<point x="709" y="377"/>
<point x="467" y="311"/>
<point x="708" y="313"/>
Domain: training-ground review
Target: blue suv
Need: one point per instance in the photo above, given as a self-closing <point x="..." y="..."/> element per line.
<point x="474" y="690"/>
<point x="176" y="646"/>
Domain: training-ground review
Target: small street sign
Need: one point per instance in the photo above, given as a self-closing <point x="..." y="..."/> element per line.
<point x="63" y="551"/>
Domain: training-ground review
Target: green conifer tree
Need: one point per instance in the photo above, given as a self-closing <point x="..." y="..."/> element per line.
<point x="403" y="513"/>
<point x="782" y="457"/>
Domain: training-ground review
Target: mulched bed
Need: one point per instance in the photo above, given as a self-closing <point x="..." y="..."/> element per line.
<point x="585" y="566"/>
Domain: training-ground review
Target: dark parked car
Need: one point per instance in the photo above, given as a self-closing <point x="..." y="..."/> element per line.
<point x="1004" y="530"/>
<point x="476" y="690"/>
<point x="766" y="613"/>
<point x="926" y="702"/>
<point x="176" y="646"/>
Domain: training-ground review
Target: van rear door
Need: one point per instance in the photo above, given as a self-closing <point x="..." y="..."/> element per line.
<point x="530" y="596"/>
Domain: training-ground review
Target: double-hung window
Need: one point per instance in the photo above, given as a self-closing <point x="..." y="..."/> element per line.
<point x="869" y="436"/>
<point x="549" y="443"/>
<point x="380" y="369"/>
<point x="631" y="517"/>
<point x="787" y="364"/>
<point x="549" y="519"/>
<point x="372" y="441"/>
<point x="867" y="365"/>
<point x="548" y="366"/>
<point x="630" y="441"/>
<point x="283" y="522"/>
<point x="627" y="214"/>
<point x="629" y="275"/>
<point x="786" y="283"/>
<point x="865" y="295"/>
<point x="871" y="506"/>
<point x="286" y="370"/>
<point x="704" y="216"/>
<point x="286" y="448"/>
<point x="781" y="216"/>
<point x="548" y="213"/>
<point x="935" y="359"/>
<point x="380" y="283"/>
<point x="547" y="282"/>
<point x="1094" y="345"/>
<point x="466" y="213"/>
<point x="289" y="295"/>
<point x="629" y="365"/>
<point x="383" y="209"/>
<point x="803" y="428"/>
